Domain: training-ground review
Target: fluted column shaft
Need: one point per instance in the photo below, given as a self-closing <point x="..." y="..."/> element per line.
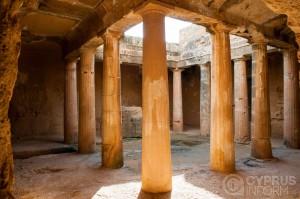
<point x="156" y="149"/>
<point x="241" y="108"/>
<point x="112" y="146"/>
<point x="291" y="134"/>
<point x="87" y="116"/>
<point x="205" y="90"/>
<point x="222" y="157"/>
<point x="261" y="129"/>
<point x="177" y="101"/>
<point x="71" y="109"/>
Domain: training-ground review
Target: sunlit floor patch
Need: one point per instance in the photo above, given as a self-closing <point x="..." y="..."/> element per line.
<point x="181" y="190"/>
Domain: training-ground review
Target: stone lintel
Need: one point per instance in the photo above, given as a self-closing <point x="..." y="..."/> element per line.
<point x="92" y="43"/>
<point x="220" y="27"/>
<point x="111" y="33"/>
<point x="243" y="58"/>
<point x="73" y="55"/>
<point x="154" y="6"/>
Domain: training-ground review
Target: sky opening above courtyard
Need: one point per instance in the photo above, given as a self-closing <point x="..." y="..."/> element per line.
<point x="172" y="27"/>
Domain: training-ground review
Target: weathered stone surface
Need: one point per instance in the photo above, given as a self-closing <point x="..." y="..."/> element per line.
<point x="131" y="122"/>
<point x="10" y="36"/>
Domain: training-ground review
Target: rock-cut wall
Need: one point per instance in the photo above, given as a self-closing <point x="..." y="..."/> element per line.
<point x="10" y="36"/>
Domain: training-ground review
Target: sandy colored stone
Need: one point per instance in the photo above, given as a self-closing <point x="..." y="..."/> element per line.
<point x="261" y="129"/>
<point x="291" y="128"/>
<point x="10" y="36"/>
<point x="222" y="157"/>
<point x="241" y="108"/>
<point x="112" y="146"/>
<point x="205" y="93"/>
<point x="87" y="116"/>
<point x="71" y="108"/>
<point x="177" y="101"/>
<point x="156" y="150"/>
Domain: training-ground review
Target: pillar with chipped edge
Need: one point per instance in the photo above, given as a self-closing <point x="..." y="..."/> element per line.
<point x="70" y="108"/>
<point x="87" y="116"/>
<point x="222" y="156"/>
<point x="261" y="128"/>
<point x="156" y="147"/>
<point x="241" y="107"/>
<point x="112" y="145"/>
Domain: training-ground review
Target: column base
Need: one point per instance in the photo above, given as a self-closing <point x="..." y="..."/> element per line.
<point x="245" y="140"/>
<point x="143" y="194"/>
<point x="177" y="127"/>
<point x="218" y="169"/>
<point x="110" y="160"/>
<point x="291" y="145"/>
<point x="261" y="148"/>
<point x="87" y="151"/>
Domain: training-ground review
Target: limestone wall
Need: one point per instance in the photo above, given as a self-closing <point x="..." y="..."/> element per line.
<point x="275" y="62"/>
<point x="38" y="98"/>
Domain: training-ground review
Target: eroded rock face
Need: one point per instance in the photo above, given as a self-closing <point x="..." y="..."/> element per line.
<point x="291" y="9"/>
<point x="10" y="35"/>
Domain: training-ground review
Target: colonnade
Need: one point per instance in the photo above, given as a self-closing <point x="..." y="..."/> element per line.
<point x="224" y="123"/>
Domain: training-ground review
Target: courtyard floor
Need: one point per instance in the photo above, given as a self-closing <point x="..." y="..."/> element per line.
<point x="72" y="175"/>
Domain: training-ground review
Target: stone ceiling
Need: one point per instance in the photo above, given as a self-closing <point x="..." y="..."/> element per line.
<point x="73" y="23"/>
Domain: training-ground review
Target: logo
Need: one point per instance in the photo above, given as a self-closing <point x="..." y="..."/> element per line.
<point x="233" y="184"/>
<point x="270" y="186"/>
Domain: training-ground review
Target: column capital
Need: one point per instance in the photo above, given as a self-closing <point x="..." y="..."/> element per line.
<point x="219" y="27"/>
<point x="108" y="33"/>
<point x="151" y="6"/>
<point x="84" y="49"/>
<point x="92" y="44"/>
<point x="244" y="58"/>
<point x="70" y="59"/>
<point x="289" y="51"/>
<point x="177" y="69"/>
<point x="207" y="64"/>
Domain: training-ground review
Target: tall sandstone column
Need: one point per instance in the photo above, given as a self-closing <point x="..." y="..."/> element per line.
<point x="291" y="133"/>
<point x="205" y="90"/>
<point x="156" y="149"/>
<point x="241" y="108"/>
<point x="112" y="146"/>
<point x="87" y="116"/>
<point x="177" y="101"/>
<point x="71" y="109"/>
<point x="222" y="157"/>
<point x="261" y="129"/>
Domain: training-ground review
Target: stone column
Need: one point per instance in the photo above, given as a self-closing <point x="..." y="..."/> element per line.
<point x="261" y="129"/>
<point x="156" y="149"/>
<point x="241" y="108"/>
<point x="177" y="101"/>
<point x="222" y="157"/>
<point x="112" y="146"/>
<point x="87" y="117"/>
<point x="205" y="99"/>
<point x="71" y="109"/>
<point x="291" y="134"/>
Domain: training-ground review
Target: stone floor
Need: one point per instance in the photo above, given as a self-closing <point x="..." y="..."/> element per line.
<point x="72" y="175"/>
